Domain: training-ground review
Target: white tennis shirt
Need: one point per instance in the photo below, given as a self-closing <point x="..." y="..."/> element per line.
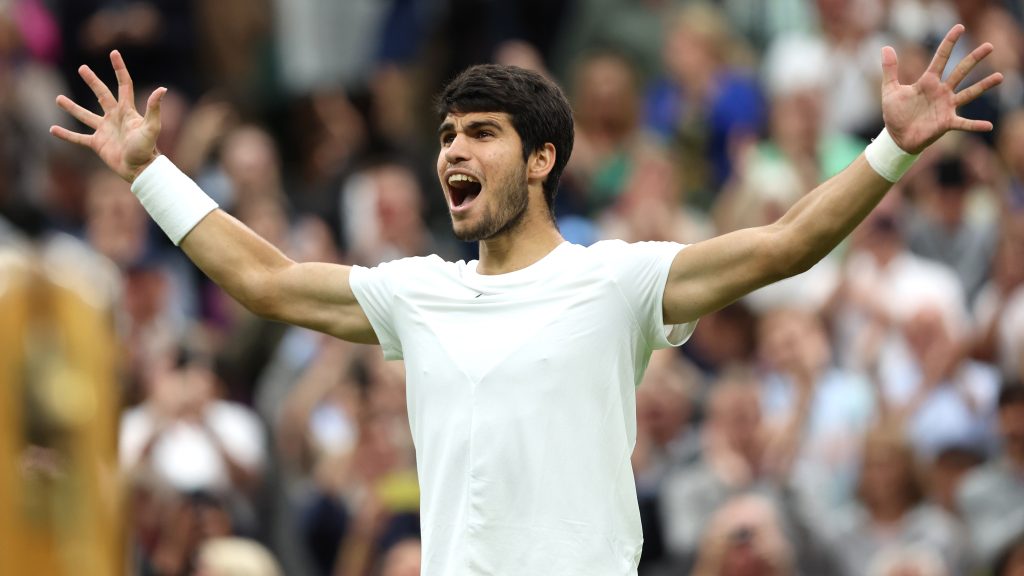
<point x="520" y="390"/>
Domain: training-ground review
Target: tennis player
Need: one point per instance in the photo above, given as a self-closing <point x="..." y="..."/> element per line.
<point x="522" y="365"/>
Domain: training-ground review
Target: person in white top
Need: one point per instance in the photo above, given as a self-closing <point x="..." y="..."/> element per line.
<point x="522" y="365"/>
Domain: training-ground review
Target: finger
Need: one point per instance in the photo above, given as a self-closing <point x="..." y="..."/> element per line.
<point x="968" y="95"/>
<point x="152" y="118"/>
<point x="69" y="136"/>
<point x="890" y="69"/>
<point x="81" y="114"/>
<point x="967" y="64"/>
<point x="125" y="89"/>
<point x="945" y="50"/>
<point x="968" y="125"/>
<point x="103" y="94"/>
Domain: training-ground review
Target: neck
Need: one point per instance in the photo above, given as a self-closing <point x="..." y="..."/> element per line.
<point x="534" y="238"/>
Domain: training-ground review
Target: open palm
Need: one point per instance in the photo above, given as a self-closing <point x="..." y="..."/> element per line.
<point x="918" y="114"/>
<point x="122" y="138"/>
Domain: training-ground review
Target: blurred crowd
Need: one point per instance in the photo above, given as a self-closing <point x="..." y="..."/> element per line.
<point x="863" y="419"/>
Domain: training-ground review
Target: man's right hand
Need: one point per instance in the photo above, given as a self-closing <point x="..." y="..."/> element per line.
<point x="122" y="138"/>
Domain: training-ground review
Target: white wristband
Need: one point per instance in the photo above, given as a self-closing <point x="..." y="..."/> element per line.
<point x="172" y="199"/>
<point x="887" y="158"/>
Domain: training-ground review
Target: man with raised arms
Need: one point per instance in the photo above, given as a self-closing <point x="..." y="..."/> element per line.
<point x="521" y="366"/>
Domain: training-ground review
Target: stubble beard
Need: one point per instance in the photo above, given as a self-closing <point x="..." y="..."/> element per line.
<point x="512" y="198"/>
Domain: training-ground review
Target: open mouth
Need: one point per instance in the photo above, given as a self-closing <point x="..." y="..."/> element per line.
<point x="463" y="189"/>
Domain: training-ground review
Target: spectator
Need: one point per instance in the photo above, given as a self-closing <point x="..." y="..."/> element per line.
<point x="665" y="439"/>
<point x="707" y="104"/>
<point x="745" y="538"/>
<point x="938" y="228"/>
<point x="188" y="438"/>
<point x="793" y="346"/>
<point x="740" y="454"/>
<point x="990" y="497"/>
<point x="890" y="515"/>
<point x="999" y="309"/>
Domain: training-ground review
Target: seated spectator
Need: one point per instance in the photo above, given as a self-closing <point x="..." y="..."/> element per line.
<point x="706" y="104"/>
<point x="890" y="514"/>
<point x="938" y="228"/>
<point x="665" y="438"/>
<point x="745" y="538"/>
<point x="883" y="283"/>
<point x="939" y="397"/>
<point x="990" y="498"/>
<point x="741" y="454"/>
<point x="187" y="438"/>
<point x="609" y="145"/>
<point x="948" y="469"/>
<point x="793" y="345"/>
<point x="999" y="308"/>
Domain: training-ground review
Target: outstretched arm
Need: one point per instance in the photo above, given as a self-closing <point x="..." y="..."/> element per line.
<point x="713" y="273"/>
<point x="249" y="268"/>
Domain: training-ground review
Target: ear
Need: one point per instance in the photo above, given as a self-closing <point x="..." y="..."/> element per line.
<point x="540" y="162"/>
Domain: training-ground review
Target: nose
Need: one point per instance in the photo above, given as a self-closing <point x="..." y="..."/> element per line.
<point x="457" y="150"/>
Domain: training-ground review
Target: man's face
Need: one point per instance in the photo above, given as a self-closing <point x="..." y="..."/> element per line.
<point x="483" y="174"/>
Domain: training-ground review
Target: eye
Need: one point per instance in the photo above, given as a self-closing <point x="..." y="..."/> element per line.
<point x="447" y="139"/>
<point x="484" y="134"/>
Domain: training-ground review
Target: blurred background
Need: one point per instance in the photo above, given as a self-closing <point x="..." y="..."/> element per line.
<point x="864" y="418"/>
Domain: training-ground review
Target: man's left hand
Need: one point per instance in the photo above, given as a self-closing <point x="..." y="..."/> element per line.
<point x="918" y="114"/>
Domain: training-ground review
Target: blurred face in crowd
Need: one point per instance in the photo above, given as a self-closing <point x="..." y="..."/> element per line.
<point x="926" y="331"/>
<point x="115" y="221"/>
<point x="736" y="414"/>
<point x="887" y="475"/>
<point x="881" y="233"/>
<point x="1011" y="142"/>
<point x="662" y="400"/>
<point x="795" y="119"/>
<point x="483" y="174"/>
<point x="752" y="542"/>
<point x="398" y="202"/>
<point x="251" y="162"/>
<point x="1008" y="268"/>
<point x="791" y="339"/>
<point x="606" y="97"/>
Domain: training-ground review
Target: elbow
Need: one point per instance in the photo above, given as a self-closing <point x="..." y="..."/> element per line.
<point x="260" y="302"/>
<point x="787" y="255"/>
<point x="259" y="295"/>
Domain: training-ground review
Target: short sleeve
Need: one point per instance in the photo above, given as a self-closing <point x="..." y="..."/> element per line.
<point x="374" y="289"/>
<point x="641" y="271"/>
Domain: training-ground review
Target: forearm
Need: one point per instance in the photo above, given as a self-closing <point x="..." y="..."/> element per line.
<point x="821" y="219"/>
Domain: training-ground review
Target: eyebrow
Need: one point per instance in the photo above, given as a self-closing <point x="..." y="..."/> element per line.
<point x="470" y="127"/>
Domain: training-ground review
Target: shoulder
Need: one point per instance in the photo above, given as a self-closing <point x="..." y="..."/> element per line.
<point x="621" y="248"/>
<point x="395" y="271"/>
<point x="431" y="262"/>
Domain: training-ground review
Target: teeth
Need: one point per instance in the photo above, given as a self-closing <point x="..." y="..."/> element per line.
<point x="461" y="178"/>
